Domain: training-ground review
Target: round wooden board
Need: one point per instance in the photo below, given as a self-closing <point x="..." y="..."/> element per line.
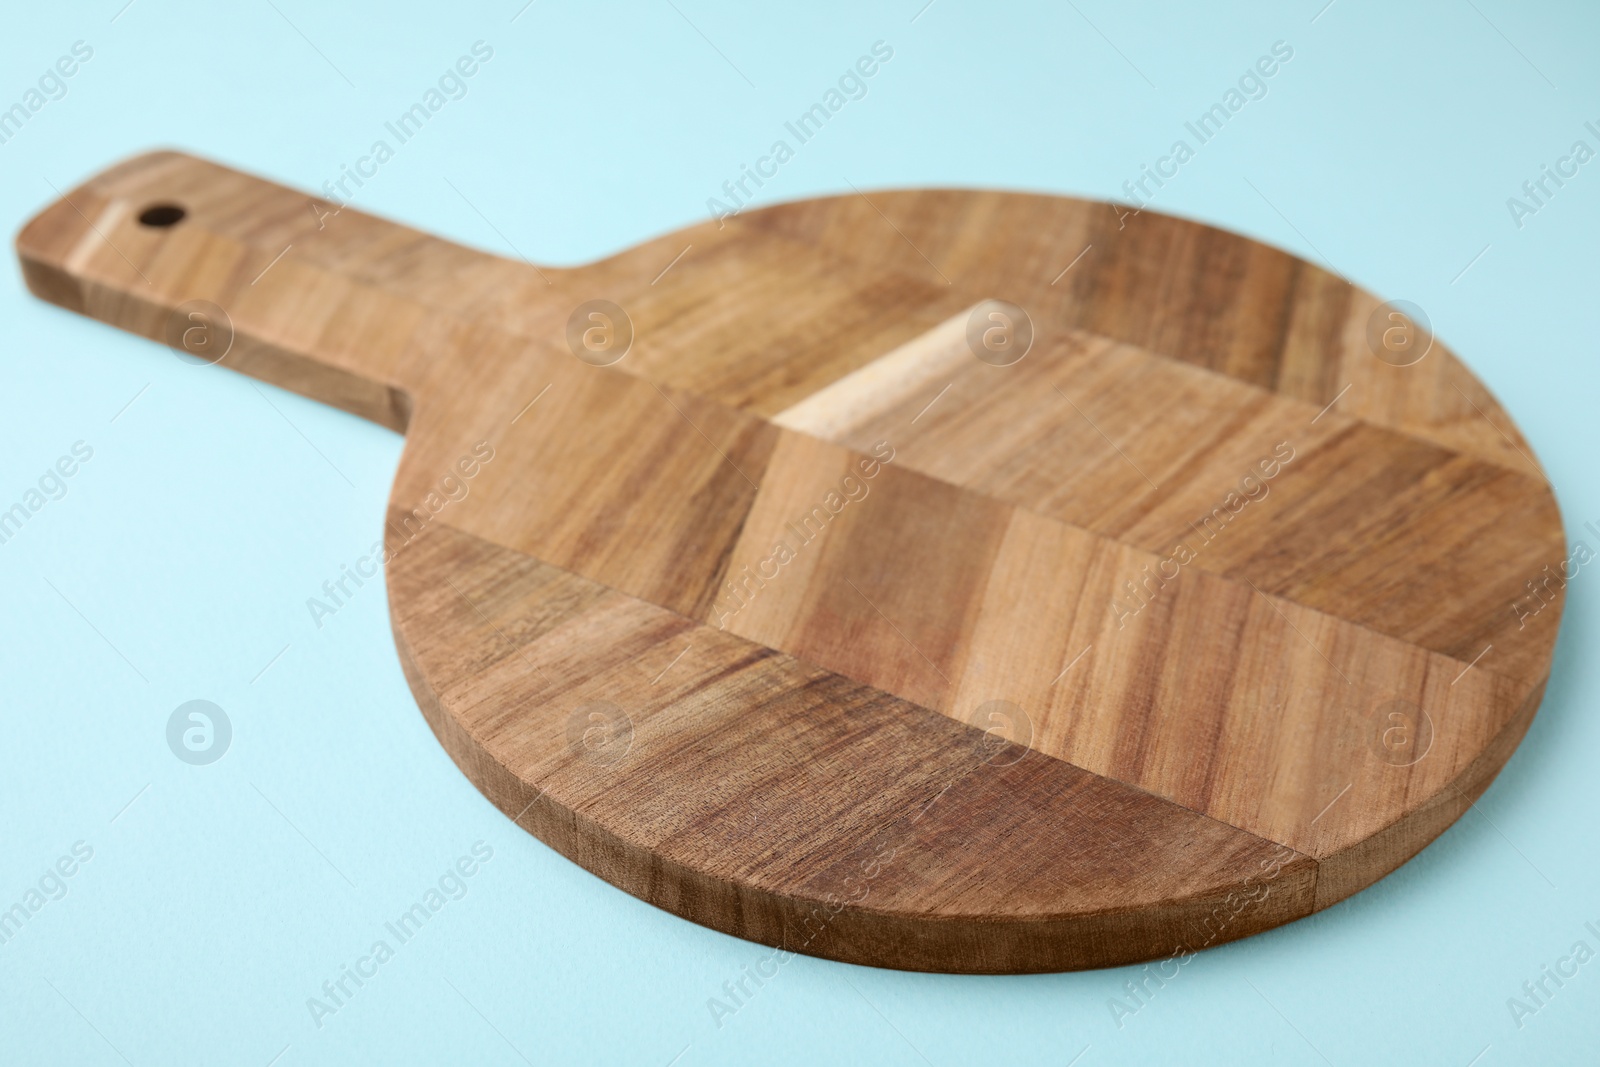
<point x="944" y="580"/>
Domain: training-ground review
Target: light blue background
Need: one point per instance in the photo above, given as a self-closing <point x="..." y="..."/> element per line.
<point x="223" y="896"/>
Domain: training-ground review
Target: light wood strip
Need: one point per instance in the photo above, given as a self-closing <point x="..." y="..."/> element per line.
<point x="893" y="380"/>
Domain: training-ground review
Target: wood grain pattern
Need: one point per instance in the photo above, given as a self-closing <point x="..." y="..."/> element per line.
<point x="805" y="623"/>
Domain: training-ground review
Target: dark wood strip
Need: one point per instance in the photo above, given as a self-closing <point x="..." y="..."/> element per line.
<point x="783" y="803"/>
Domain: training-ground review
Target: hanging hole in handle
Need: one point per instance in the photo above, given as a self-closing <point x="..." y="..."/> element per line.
<point x="160" y="216"/>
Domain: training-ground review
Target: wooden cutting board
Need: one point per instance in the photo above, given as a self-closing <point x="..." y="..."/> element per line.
<point x="943" y="580"/>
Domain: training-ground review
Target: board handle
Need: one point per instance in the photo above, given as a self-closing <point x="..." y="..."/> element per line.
<point x="229" y="270"/>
